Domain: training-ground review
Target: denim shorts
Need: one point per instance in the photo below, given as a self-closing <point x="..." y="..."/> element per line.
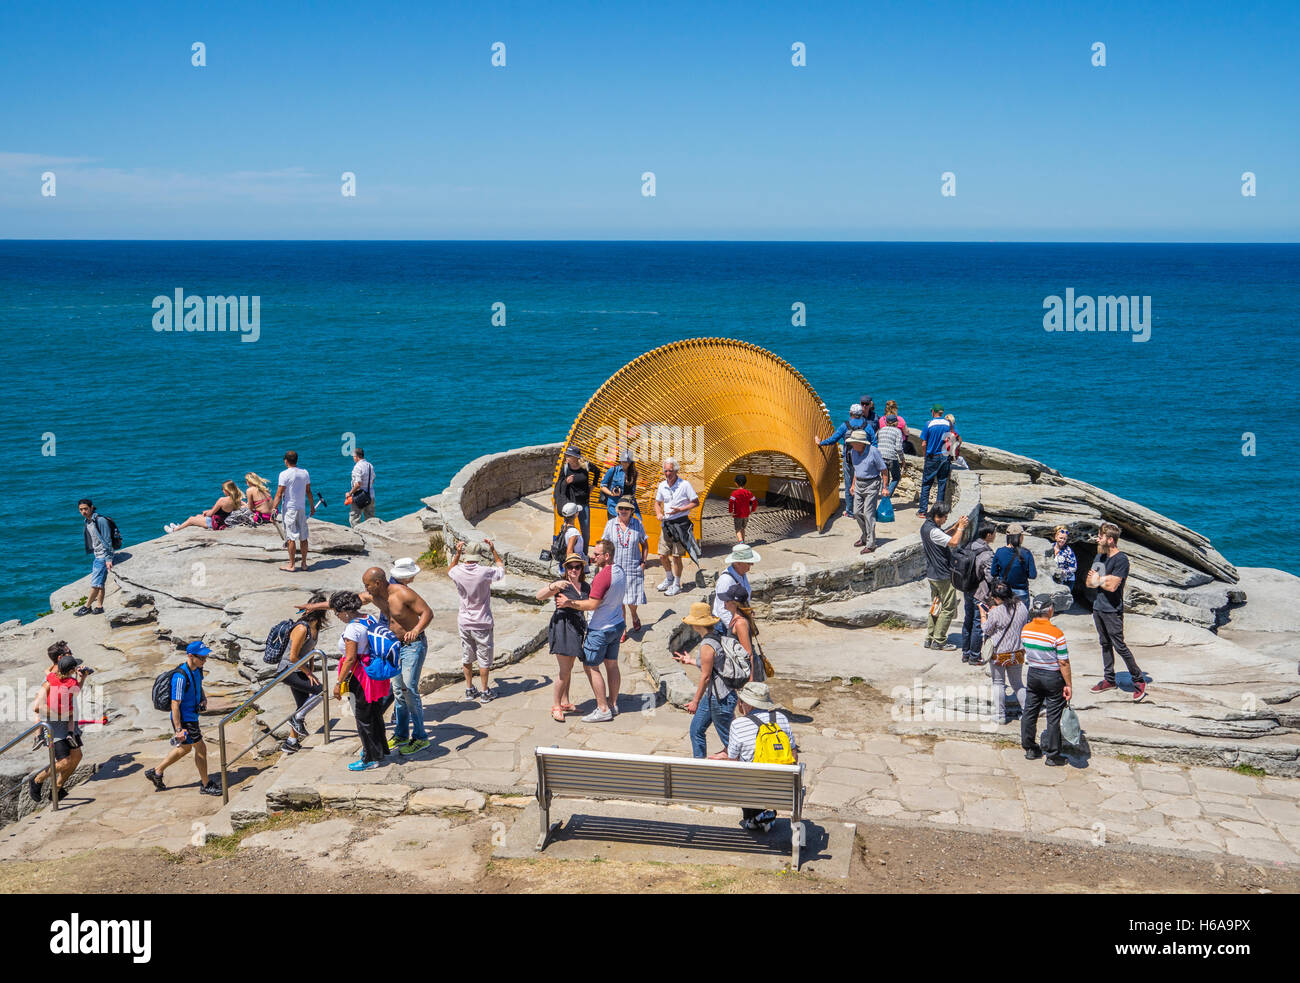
<point x="98" y="572"/>
<point x="602" y="645"/>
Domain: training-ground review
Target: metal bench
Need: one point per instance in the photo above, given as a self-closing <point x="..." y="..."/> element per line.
<point x="700" y="781"/>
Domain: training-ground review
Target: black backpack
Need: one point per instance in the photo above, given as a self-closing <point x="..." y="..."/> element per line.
<point x="114" y="534"/>
<point x="277" y="639"/>
<point x="162" y="688"/>
<point x="965" y="569"/>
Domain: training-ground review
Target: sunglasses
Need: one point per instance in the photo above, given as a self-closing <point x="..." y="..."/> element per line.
<point x="573" y="566"/>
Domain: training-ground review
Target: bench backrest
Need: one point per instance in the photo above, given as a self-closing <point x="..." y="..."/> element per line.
<point x="571" y="772"/>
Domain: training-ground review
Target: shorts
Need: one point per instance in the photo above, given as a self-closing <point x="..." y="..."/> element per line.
<point x="295" y="525"/>
<point x="601" y="645"/>
<point x="192" y="734"/>
<point x="739" y="522"/>
<point x="63" y="748"/>
<point x="476" y="646"/>
<point x="98" y="572"/>
<point x="214" y="522"/>
<point x="670" y="547"/>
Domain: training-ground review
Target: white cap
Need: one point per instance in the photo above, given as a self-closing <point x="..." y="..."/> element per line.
<point x="855" y="409"/>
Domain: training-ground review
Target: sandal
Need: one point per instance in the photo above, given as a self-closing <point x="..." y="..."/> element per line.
<point x="636" y="624"/>
<point x="557" y="714"/>
<point x="568" y="708"/>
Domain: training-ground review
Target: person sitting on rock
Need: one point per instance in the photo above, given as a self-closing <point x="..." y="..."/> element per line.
<point x="214" y="518"/>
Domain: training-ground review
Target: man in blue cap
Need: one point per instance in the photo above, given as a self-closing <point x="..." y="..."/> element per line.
<point x="187" y="702"/>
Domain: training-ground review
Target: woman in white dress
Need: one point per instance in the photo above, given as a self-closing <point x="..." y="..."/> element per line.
<point x="630" y="544"/>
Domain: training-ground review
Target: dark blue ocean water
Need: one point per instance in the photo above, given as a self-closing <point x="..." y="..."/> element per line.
<point x="393" y="342"/>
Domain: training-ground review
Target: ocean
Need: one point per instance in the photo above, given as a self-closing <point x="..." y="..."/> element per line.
<point x="392" y="344"/>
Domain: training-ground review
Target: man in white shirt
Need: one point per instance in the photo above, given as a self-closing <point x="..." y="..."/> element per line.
<point x="294" y="488"/>
<point x="754" y="708"/>
<point x="674" y="500"/>
<point x="361" y="499"/>
<point x="739" y="561"/>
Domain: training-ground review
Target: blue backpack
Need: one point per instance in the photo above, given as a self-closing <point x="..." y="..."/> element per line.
<point x="384" y="650"/>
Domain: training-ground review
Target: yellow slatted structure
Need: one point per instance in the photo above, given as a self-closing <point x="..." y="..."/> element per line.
<point x="709" y="402"/>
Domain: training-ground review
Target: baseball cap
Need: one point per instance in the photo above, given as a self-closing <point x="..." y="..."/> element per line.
<point x="67" y="663"/>
<point x="198" y="648"/>
<point x="937" y="408"/>
<point x="855" y="409"/>
<point x="1015" y="529"/>
<point x="735" y="593"/>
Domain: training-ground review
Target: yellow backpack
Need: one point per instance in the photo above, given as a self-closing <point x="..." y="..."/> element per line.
<point x="772" y="746"/>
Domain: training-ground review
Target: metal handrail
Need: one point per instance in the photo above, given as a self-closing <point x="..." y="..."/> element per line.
<point x="221" y="727"/>
<point x="49" y="744"/>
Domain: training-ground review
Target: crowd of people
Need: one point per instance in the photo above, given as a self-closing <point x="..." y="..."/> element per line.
<point x="600" y="587"/>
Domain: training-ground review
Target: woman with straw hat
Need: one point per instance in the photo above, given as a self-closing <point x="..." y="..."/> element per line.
<point x="630" y="546"/>
<point x="567" y="630"/>
<point x="714" y="701"/>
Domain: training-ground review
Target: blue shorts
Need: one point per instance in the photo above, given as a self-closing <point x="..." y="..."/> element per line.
<point x="98" y="572"/>
<point x="602" y="645"/>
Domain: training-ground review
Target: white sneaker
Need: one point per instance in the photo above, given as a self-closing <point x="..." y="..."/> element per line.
<point x="598" y="716"/>
<point x="170" y="527"/>
<point x="676" y="588"/>
<point x="666" y="584"/>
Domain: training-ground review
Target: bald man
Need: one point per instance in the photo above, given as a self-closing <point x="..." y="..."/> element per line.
<point x="408" y="615"/>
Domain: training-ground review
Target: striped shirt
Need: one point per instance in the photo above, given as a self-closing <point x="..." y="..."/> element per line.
<point x="1044" y="645"/>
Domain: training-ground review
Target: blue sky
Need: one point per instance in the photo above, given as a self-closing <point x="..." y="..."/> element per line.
<point x="743" y="145"/>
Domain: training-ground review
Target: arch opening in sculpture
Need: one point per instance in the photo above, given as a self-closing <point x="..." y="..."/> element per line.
<point x="709" y="403"/>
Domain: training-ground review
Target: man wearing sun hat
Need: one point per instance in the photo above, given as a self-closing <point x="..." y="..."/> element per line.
<point x="739" y="561"/>
<point x="574" y="485"/>
<point x="403" y="571"/>
<point x="856" y="421"/>
<point x="188" y="702"/>
<point x="869" y="472"/>
<point x="754" y="707"/>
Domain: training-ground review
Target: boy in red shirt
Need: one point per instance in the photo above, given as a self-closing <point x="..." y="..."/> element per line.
<point x="741" y="504"/>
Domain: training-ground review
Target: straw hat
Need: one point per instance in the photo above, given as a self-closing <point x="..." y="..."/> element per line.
<point x="701" y="616"/>
<point x="575" y="558"/>
<point x="758" y="696"/>
<point x="626" y="502"/>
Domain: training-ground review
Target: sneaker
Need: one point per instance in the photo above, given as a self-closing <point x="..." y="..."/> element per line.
<point x="472" y="693"/>
<point x="1056" y="760"/>
<point x="299" y="730"/>
<point x="613" y="708"/>
<point x="928" y="643"/>
<point x="668" y="582"/>
<point x="1102" y="686"/>
<point x="34" y="788"/>
<point x="1139" y="692"/>
<point x="676" y="588"/>
<point x="96" y="610"/>
<point x="363" y="765"/>
<point x="290" y="746"/>
<point x="394" y="741"/>
<point x="487" y="696"/>
<point x="169" y="527"/>
<point x="212" y="788"/>
<point x="157" y="780"/>
<point x="598" y="716"/>
<point x="413" y="745"/>
<point x="1033" y="753"/>
<point x="80" y="611"/>
<point x="976" y="660"/>
<point x="944" y="646"/>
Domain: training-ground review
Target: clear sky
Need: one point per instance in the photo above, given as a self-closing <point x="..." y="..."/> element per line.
<point x="743" y="145"/>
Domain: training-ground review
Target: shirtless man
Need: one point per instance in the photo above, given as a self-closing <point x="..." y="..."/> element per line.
<point x="408" y="615"/>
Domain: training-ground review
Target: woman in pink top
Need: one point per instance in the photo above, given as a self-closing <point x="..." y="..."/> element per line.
<point x="891" y="406"/>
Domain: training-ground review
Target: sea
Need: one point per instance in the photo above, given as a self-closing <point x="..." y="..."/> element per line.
<point x="428" y="354"/>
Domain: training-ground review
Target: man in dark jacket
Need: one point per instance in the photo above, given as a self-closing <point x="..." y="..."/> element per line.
<point x="1015" y="564"/>
<point x="574" y="485"/>
<point x="972" y="628"/>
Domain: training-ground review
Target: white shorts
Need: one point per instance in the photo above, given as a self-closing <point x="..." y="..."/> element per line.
<point x="476" y="646"/>
<point x="295" y="525"/>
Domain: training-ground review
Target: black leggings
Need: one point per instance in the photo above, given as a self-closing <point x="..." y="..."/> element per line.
<point x="370" y="723"/>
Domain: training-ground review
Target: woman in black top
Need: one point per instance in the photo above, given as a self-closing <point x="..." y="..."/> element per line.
<point x="567" y="629"/>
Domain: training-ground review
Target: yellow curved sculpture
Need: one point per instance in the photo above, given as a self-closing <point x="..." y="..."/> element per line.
<point x="707" y="402"/>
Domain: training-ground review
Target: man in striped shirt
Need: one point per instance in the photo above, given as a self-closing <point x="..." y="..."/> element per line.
<point x="1047" y="682"/>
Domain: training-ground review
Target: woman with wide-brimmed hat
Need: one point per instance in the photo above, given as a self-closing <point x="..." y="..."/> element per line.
<point x="630" y="546"/>
<point x="567" y="629"/>
<point x="714" y="701"/>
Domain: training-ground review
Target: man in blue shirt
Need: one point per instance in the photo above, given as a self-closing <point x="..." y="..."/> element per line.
<point x="937" y="463"/>
<point x="188" y="702"/>
<point x="856" y="421"/>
